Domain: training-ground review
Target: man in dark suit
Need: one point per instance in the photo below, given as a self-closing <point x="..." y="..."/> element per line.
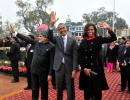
<point x="41" y="62"/>
<point x="127" y="62"/>
<point x="14" y="56"/>
<point x="65" y="59"/>
<point x="28" y="60"/>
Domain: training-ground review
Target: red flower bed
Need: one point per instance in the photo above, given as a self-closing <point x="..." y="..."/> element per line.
<point x="8" y="69"/>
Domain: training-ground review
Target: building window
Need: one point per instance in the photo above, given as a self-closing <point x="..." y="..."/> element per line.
<point x="73" y="33"/>
<point x="73" y="28"/>
<point x="76" y="28"/>
<point x="76" y="34"/>
<point x="79" y="28"/>
<point x="82" y="28"/>
<point x="80" y="34"/>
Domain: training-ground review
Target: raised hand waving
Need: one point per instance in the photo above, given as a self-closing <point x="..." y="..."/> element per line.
<point x="103" y="25"/>
<point x="53" y="19"/>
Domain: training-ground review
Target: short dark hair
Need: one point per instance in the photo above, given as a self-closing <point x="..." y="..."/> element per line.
<point x="128" y="37"/>
<point x="123" y="38"/>
<point x="86" y="28"/>
<point x="61" y="24"/>
<point x="15" y="38"/>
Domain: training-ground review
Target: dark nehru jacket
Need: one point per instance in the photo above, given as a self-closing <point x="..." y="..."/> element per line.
<point x="42" y="56"/>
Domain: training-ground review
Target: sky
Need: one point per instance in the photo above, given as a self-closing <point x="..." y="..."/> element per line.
<point x="74" y="8"/>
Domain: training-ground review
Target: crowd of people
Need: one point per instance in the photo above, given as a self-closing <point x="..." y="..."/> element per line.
<point x="59" y="58"/>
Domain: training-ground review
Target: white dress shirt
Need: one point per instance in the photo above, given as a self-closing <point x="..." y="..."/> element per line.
<point x="65" y="43"/>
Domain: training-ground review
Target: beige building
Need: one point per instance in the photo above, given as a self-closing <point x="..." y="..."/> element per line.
<point x="125" y="32"/>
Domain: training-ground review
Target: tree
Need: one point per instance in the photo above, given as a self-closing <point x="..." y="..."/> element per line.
<point x="8" y="28"/>
<point x="1" y="25"/>
<point x="1" y="31"/>
<point x="32" y="16"/>
<point x="120" y="23"/>
<point x="102" y="15"/>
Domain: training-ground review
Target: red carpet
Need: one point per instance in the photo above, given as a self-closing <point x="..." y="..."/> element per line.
<point x="111" y="94"/>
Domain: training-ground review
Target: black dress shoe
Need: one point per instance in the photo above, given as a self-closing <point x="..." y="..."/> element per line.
<point x="27" y="88"/>
<point x="14" y="81"/>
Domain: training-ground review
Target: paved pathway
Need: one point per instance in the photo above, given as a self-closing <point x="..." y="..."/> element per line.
<point x="14" y="91"/>
<point x="7" y="88"/>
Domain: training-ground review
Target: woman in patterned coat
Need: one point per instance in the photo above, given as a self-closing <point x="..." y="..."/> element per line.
<point x="92" y="78"/>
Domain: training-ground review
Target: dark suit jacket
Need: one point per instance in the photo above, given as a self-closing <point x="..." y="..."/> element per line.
<point x="127" y="56"/>
<point x="14" y="53"/>
<point x="70" y="55"/>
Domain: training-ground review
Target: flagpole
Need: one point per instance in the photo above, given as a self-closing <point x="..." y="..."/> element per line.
<point x="113" y="15"/>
